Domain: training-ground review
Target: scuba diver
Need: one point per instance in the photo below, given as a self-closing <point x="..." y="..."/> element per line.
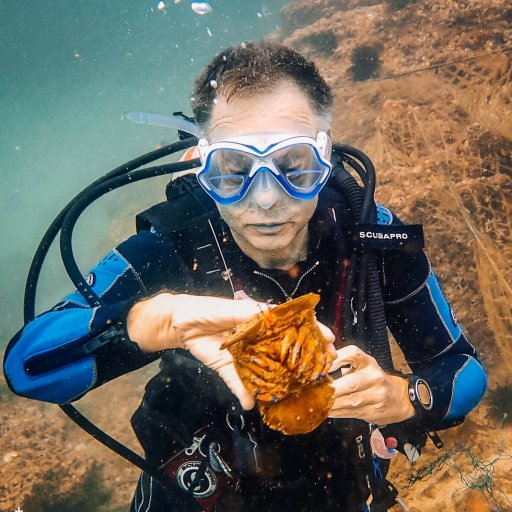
<point x="270" y="214"/>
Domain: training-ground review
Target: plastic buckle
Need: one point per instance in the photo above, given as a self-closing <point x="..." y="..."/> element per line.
<point x="105" y="337"/>
<point x="384" y="495"/>
<point x="434" y="437"/>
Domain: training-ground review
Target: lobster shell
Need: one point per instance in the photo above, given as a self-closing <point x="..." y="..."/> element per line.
<point x="282" y="358"/>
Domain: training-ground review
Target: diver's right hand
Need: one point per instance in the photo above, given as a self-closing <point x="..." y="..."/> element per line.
<point x="197" y="324"/>
<point x="168" y="321"/>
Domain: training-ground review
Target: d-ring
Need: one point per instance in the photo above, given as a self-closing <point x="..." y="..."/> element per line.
<point x="242" y="422"/>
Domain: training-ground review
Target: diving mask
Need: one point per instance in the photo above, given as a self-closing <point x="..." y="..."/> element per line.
<point x="299" y="164"/>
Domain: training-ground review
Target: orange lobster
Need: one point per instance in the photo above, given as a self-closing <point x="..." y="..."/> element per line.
<point x="283" y="359"/>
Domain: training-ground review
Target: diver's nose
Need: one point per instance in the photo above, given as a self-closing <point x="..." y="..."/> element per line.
<point x="265" y="190"/>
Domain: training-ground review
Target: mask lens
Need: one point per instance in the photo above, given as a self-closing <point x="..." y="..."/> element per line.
<point x="300" y="166"/>
<point x="227" y="171"/>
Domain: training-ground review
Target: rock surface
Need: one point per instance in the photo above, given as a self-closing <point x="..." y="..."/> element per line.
<point x="434" y="116"/>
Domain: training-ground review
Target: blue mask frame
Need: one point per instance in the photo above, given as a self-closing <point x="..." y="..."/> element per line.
<point x="261" y="155"/>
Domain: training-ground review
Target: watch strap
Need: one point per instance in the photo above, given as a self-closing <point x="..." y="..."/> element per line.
<point x="420" y="395"/>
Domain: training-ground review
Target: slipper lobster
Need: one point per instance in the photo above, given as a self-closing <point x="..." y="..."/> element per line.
<point x="283" y="359"/>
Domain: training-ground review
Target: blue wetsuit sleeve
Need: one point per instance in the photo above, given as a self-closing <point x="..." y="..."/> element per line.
<point x="72" y="348"/>
<point x="425" y="327"/>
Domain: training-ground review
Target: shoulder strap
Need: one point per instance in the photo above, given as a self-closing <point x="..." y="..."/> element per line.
<point x="187" y="204"/>
<point x="189" y="216"/>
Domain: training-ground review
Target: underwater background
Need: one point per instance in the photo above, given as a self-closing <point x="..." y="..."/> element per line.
<point x="69" y="70"/>
<point x="423" y="87"/>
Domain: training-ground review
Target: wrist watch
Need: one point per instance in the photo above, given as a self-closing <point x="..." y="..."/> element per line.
<point x="420" y="395"/>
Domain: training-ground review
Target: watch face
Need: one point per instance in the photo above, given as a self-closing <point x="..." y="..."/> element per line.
<point x="424" y="394"/>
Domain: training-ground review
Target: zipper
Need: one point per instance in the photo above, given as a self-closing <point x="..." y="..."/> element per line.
<point x="287" y="296"/>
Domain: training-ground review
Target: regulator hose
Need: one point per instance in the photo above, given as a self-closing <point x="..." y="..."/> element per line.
<point x="82" y="201"/>
<point x="365" y="321"/>
<point x="52" y="232"/>
<point x="65" y="222"/>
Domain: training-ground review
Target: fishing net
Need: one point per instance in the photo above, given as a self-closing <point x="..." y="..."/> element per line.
<point x="474" y="472"/>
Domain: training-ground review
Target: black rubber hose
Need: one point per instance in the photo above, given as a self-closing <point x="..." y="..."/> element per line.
<point x="31" y="288"/>
<point x="53" y="230"/>
<point x="378" y="335"/>
<point x="84" y="200"/>
<point x="357" y="167"/>
<point x="371" y="328"/>
<point x="347" y="184"/>
<point x="370" y="175"/>
<point x="80" y="204"/>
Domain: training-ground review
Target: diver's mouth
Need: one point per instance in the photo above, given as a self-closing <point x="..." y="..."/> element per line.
<point x="269" y="228"/>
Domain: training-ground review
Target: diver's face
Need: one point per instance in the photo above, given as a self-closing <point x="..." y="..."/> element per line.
<point x="271" y="235"/>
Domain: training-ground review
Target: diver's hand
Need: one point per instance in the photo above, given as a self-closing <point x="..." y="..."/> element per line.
<point x="197" y="324"/>
<point x="366" y="392"/>
<point x="168" y="321"/>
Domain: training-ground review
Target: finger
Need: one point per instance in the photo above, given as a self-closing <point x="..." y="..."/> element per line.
<point x="222" y="314"/>
<point x="235" y="312"/>
<point x="327" y="368"/>
<point x="351" y="356"/>
<point x="234" y="383"/>
<point x="208" y="350"/>
<point x="331" y="349"/>
<point x="323" y="362"/>
<point x="356" y="382"/>
<point x="327" y="334"/>
<point x="361" y="412"/>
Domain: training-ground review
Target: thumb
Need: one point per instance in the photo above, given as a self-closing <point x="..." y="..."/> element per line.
<point x="229" y="313"/>
<point x="326" y="332"/>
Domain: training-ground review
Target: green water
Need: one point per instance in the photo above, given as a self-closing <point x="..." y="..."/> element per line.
<point x="69" y="69"/>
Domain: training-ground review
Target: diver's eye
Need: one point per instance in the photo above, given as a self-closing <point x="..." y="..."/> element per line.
<point x="226" y="185"/>
<point x="233" y="162"/>
<point x="292" y="159"/>
<point x="300" y="166"/>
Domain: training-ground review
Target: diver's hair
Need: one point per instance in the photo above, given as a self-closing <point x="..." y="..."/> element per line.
<point x="255" y="68"/>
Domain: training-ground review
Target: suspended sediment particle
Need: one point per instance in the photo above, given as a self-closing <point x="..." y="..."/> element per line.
<point x="201" y="8"/>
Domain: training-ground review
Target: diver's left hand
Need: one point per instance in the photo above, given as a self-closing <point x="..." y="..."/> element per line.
<point x="366" y="392"/>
